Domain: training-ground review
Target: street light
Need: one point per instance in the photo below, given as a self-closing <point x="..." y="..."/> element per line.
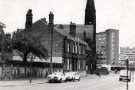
<point x="2" y="40"/>
<point x="31" y="56"/>
<point x="51" y="25"/>
<point x="127" y="64"/>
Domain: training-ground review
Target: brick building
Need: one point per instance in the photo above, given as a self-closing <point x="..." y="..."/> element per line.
<point x="67" y="49"/>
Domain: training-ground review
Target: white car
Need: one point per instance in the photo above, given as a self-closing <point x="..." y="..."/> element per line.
<point x="56" y="77"/>
<point x="72" y="76"/>
<point x="124" y="76"/>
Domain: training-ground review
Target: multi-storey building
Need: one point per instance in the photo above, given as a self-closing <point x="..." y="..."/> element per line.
<point x="101" y="48"/>
<point x="112" y="46"/>
<point x="108" y="47"/>
<point x="127" y="53"/>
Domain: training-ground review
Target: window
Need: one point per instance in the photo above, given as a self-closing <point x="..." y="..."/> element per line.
<point x="70" y="47"/>
<point x="67" y="47"/>
<point x="78" y="64"/>
<point x="79" y="49"/>
<point x="68" y="64"/>
<point x="75" y="47"/>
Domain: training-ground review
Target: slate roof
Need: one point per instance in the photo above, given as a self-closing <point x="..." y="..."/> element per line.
<point x="76" y="39"/>
<point x="64" y="29"/>
<point x="80" y="29"/>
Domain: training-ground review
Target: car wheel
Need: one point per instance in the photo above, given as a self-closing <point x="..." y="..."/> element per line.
<point x="60" y="80"/>
<point x="73" y="79"/>
<point x="120" y="79"/>
<point x="65" y="80"/>
<point x="79" y="79"/>
<point x="50" y="81"/>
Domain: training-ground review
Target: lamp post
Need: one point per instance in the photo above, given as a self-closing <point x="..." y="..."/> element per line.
<point x="51" y="23"/>
<point x="2" y="46"/>
<point x="2" y="40"/>
<point x="31" y="56"/>
<point x="127" y="63"/>
<point x="78" y="54"/>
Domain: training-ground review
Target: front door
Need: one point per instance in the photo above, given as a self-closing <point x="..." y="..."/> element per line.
<point x="74" y="64"/>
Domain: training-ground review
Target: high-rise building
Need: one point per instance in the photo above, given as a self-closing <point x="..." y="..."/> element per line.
<point x="127" y="53"/>
<point x="108" y="47"/>
<point x="101" y="48"/>
<point x="112" y="46"/>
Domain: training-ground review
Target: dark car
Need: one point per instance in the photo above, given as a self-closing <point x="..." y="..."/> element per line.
<point x="102" y="70"/>
<point x="124" y="76"/>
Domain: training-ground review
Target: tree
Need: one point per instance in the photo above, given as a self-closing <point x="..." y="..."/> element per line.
<point x="5" y="46"/>
<point x="26" y="44"/>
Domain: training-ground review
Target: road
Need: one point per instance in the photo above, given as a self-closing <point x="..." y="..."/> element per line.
<point x="108" y="82"/>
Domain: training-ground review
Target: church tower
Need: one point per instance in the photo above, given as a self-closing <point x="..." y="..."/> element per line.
<point x="90" y="19"/>
<point x="29" y="18"/>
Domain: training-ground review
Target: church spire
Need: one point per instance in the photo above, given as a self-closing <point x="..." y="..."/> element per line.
<point x="90" y="13"/>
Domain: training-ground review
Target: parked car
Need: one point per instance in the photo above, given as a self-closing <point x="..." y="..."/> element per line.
<point x="102" y="71"/>
<point x="72" y="76"/>
<point x="124" y="76"/>
<point x="56" y="77"/>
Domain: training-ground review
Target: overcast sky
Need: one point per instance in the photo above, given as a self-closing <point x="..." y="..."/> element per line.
<point x="117" y="14"/>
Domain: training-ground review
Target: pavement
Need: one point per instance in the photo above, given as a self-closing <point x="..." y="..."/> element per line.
<point x="21" y="82"/>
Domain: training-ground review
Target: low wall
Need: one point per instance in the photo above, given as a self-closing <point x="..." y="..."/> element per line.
<point x="9" y="72"/>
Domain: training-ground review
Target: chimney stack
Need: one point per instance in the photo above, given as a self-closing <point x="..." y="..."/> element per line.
<point x="72" y="29"/>
<point x="29" y="18"/>
<point x="51" y="18"/>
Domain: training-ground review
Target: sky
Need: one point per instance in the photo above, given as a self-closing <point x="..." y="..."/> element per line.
<point x="116" y="14"/>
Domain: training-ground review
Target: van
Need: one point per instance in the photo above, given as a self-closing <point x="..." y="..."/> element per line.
<point x="124" y="76"/>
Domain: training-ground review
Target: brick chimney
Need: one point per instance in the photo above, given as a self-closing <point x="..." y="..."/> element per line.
<point x="29" y="18"/>
<point x="51" y="18"/>
<point x="72" y="29"/>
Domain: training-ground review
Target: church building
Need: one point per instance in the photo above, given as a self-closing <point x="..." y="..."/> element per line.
<point x="70" y="47"/>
